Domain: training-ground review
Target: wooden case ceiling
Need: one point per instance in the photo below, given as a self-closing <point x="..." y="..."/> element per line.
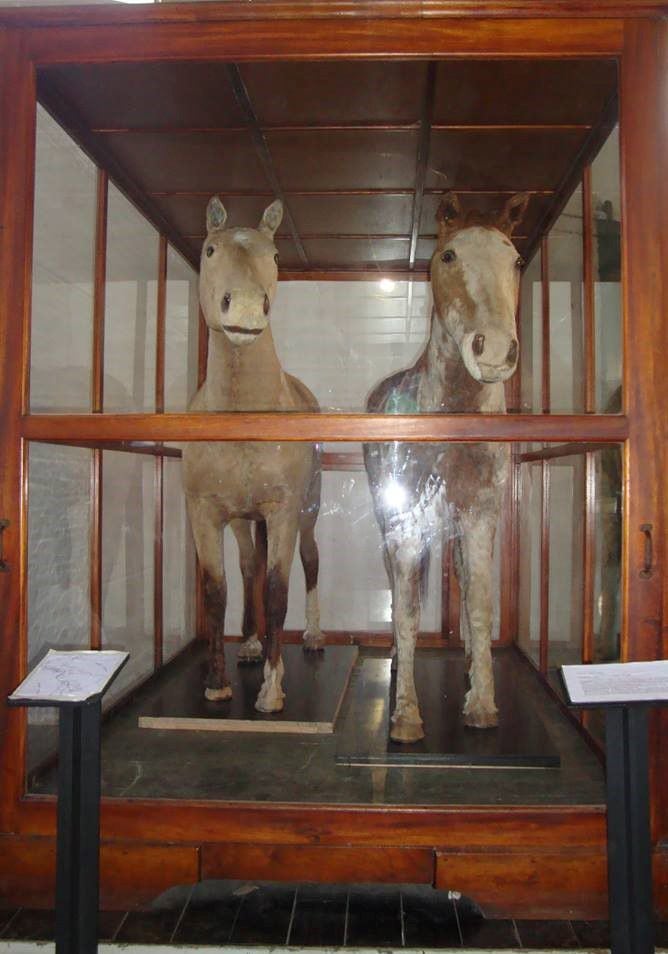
<point x="359" y="151"/>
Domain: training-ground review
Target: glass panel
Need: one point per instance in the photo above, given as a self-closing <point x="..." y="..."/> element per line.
<point x="130" y="308"/>
<point x="346" y="157"/>
<point x="127" y="564"/>
<point x="63" y="268"/>
<point x="566" y="564"/>
<point x="181" y="333"/>
<point x="58" y="570"/>
<point x="608" y="555"/>
<point x="179" y="572"/>
<point x="606" y="202"/>
<point x="352" y="675"/>
<point x="529" y="561"/>
<point x="565" y="268"/>
<point x="531" y="336"/>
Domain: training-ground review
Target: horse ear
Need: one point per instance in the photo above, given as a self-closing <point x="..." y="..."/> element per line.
<point x="513" y="212"/>
<point x="216" y="215"/>
<point x="272" y="217"/>
<point x="448" y="214"/>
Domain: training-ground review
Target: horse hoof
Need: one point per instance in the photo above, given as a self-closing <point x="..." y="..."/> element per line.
<point x="404" y="731"/>
<point x="407" y="724"/>
<point x="479" y="717"/>
<point x="313" y="642"/>
<point x="270" y="697"/>
<point x="250" y="651"/>
<point x="217" y="695"/>
<point x="269" y="702"/>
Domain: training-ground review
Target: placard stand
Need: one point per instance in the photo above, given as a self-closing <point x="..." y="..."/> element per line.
<point x="75" y="683"/>
<point x="630" y="905"/>
<point x="626" y="691"/>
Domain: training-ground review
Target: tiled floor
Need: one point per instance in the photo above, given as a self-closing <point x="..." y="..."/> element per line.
<point x="233" y="912"/>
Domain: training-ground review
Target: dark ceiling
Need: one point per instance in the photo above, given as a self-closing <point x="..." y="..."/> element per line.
<point x="360" y="151"/>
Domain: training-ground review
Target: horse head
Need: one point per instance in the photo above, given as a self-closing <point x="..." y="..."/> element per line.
<point x="475" y="278"/>
<point x="239" y="273"/>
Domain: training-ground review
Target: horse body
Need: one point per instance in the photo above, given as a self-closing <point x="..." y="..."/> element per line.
<point x="277" y="486"/>
<point x="472" y="349"/>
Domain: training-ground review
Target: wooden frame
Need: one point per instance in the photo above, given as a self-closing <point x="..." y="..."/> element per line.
<point x="558" y="854"/>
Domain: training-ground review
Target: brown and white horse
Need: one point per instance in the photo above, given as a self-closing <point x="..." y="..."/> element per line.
<point x="277" y="486"/>
<point x="471" y="351"/>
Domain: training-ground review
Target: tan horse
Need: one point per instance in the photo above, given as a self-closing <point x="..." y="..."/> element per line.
<point x="472" y="350"/>
<point x="275" y="485"/>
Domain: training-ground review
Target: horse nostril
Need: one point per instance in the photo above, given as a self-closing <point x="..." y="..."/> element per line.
<point x="478" y="344"/>
<point x="512" y="353"/>
<point x="225" y="304"/>
<point x="266" y="304"/>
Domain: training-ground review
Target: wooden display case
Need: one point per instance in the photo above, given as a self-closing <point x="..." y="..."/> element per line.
<point x="517" y="860"/>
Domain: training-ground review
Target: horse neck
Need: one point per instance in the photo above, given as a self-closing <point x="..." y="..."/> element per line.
<point x="246" y="378"/>
<point x="446" y="385"/>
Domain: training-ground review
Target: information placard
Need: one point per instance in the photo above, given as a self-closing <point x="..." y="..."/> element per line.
<point x="617" y="682"/>
<point x="69" y="677"/>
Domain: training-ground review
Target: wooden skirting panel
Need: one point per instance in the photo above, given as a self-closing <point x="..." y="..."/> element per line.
<point x="523" y="883"/>
<point x="661" y="882"/>
<point x="329" y="864"/>
<point x="558" y="885"/>
<point x="130" y="874"/>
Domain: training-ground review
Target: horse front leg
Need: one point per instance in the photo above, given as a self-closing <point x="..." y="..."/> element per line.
<point x="308" y="551"/>
<point x="403" y="557"/>
<point x="251" y="647"/>
<point x="207" y="527"/>
<point x="475" y="581"/>
<point x="281" y="540"/>
<point x="464" y="629"/>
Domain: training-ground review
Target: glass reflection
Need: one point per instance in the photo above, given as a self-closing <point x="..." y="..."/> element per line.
<point x="63" y="266"/>
<point x="566" y="527"/>
<point x="130" y="308"/>
<point x="608" y="553"/>
<point x="606" y="201"/>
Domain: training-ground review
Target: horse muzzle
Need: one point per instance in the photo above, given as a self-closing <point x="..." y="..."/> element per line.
<point x="242" y="334"/>
<point x="490" y="357"/>
<point x="245" y="314"/>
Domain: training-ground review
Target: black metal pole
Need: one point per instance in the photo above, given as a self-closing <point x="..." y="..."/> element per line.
<point x="77" y="862"/>
<point x="629" y="843"/>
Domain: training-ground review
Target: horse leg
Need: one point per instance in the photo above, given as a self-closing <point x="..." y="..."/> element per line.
<point x="207" y="526"/>
<point x="281" y="540"/>
<point x="251" y="647"/>
<point x="477" y="544"/>
<point x="405" y="563"/>
<point x="308" y="551"/>
<point x="390" y="575"/>
<point x="464" y="629"/>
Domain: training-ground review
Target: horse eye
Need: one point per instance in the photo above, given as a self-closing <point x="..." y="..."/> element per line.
<point x="276" y="258"/>
<point x="448" y="256"/>
<point x="519" y="262"/>
<point x="209" y="251"/>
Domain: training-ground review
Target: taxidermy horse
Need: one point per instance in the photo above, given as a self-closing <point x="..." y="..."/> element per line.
<point x="275" y="486"/>
<point x="472" y="349"/>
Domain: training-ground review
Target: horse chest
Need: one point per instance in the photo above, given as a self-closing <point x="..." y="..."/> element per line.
<point x="247" y="479"/>
<point x="473" y="475"/>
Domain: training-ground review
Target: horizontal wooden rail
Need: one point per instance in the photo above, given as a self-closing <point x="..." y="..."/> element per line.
<point x="401" y="10"/>
<point x="560" y="450"/>
<point x="345" y="461"/>
<point x="324" y="427"/>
